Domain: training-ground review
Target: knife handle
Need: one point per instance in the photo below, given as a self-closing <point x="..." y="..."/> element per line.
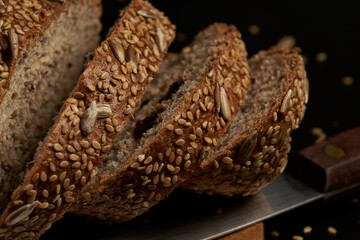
<point x="330" y="165"/>
<point x="254" y="232"/>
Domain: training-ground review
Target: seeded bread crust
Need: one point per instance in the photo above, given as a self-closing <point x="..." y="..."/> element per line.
<point x="89" y="121"/>
<point x="253" y="159"/>
<point x="195" y="125"/>
<point x="22" y="24"/>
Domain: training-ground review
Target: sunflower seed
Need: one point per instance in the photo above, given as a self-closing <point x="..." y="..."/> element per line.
<point x="160" y="40"/>
<point x="14" y="42"/>
<point x="224" y="105"/>
<point x="247" y="147"/>
<point x="20" y="213"/>
<point x="91" y="114"/>
<point x="217" y="97"/>
<point x="146" y="13"/>
<point x="286" y="102"/>
<point x="118" y="50"/>
<point x="131" y="58"/>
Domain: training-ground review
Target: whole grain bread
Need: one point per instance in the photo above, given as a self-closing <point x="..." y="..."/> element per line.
<point x="254" y="149"/>
<point x="103" y="100"/>
<point x="186" y="110"/>
<point x="42" y="44"/>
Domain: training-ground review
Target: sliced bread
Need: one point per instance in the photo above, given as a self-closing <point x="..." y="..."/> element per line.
<point x="42" y="44"/>
<point x="254" y="149"/>
<point x="89" y="121"/>
<point x="187" y="109"/>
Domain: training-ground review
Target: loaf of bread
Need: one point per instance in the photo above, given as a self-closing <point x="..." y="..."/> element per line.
<point x="42" y="48"/>
<point x="102" y="102"/>
<point x="184" y="113"/>
<point x="253" y="151"/>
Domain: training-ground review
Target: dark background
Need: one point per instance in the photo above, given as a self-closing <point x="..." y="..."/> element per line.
<point x="318" y="26"/>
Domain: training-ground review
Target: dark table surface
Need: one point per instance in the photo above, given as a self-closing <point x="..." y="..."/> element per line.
<point x="329" y="35"/>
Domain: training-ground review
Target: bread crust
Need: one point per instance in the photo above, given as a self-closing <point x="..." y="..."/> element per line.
<point x="22" y="25"/>
<point x="170" y="156"/>
<point x="226" y="172"/>
<point x="110" y="87"/>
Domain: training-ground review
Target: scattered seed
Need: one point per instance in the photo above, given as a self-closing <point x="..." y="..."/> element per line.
<point x="254" y="29"/>
<point x="321" y="57"/>
<point x="332" y="230"/>
<point x="307" y="229"/>
<point x="297" y="237"/>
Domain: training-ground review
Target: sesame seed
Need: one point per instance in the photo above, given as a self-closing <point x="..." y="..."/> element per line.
<point x="227" y="160"/>
<point x="128" y="111"/>
<point x="78" y="175"/>
<point x="208" y="140"/>
<point x="58" y="147"/>
<point x="148" y="160"/>
<point x="193" y="144"/>
<point x="169" y="127"/>
<point x="196" y="97"/>
<point x="187" y="164"/>
<point x="59" y="155"/>
<point x="192" y="137"/>
<point x="62" y="176"/>
<point x="96" y="144"/>
<point x="53" y="178"/>
<point x="84" y="143"/>
<point x="180" y="142"/>
<point x="43" y="176"/>
<point x="70" y="148"/>
<point x="179" y="131"/>
<point x="199" y="131"/>
<point x="170" y="167"/>
<point x="181" y="121"/>
<point x="172" y="157"/>
<point x="76" y="165"/>
<point x="73" y="157"/>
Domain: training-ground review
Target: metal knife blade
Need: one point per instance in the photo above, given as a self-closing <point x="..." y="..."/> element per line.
<point x="186" y="215"/>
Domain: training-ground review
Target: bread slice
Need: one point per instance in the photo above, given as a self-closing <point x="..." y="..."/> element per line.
<point x="42" y="45"/>
<point x="103" y="100"/>
<point x="253" y="151"/>
<point x="179" y="123"/>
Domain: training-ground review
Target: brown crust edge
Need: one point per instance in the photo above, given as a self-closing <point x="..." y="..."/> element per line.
<point x="69" y="157"/>
<point x="225" y="174"/>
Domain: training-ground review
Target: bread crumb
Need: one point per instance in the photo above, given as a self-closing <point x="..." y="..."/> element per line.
<point x="321" y="57"/>
<point x="347" y="80"/>
<point x="254" y="29"/>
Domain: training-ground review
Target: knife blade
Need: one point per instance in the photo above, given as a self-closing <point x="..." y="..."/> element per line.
<point x="186" y="215"/>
